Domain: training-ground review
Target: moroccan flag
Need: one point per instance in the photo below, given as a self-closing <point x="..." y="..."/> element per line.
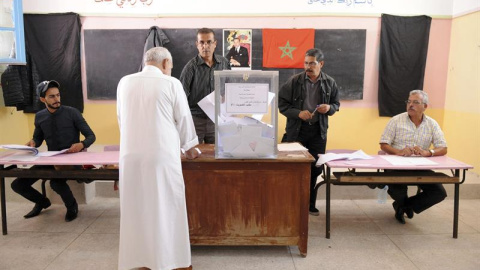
<point x="285" y="48"/>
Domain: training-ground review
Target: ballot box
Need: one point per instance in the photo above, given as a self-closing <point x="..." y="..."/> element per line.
<point x="246" y="114"/>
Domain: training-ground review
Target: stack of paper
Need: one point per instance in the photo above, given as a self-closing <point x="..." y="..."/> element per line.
<point x="348" y="156"/>
<point x="31" y="151"/>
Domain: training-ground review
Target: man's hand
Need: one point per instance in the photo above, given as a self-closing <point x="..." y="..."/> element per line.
<point x="31" y="143"/>
<point x="406" y="152"/>
<point x="75" y="148"/>
<point x="323" y="108"/>
<point x="234" y="62"/>
<point x="192" y="153"/>
<point x="417" y="150"/>
<point x="305" y="115"/>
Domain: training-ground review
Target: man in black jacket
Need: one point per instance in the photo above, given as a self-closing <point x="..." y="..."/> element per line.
<point x="60" y="126"/>
<point x="307" y="99"/>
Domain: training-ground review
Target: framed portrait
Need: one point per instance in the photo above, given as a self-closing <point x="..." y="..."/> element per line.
<point x="237" y="47"/>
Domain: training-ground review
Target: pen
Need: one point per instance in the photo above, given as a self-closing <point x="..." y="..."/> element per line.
<point x="313" y="113"/>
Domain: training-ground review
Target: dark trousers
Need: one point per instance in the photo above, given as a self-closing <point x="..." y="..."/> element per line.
<point x="310" y="137"/>
<point x="23" y="186"/>
<point x="431" y="194"/>
<point x="205" y="129"/>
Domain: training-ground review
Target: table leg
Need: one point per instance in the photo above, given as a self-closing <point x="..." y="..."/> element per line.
<point x="3" y="204"/>
<point x="456" y="205"/>
<point x="327" y="203"/>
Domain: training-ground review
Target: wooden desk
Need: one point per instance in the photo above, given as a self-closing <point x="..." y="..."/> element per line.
<point x="413" y="175"/>
<point x="229" y="202"/>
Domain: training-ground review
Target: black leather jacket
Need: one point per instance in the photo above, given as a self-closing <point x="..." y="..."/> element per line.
<point x="290" y="103"/>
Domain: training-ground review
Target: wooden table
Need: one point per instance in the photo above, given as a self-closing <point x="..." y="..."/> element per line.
<point x="229" y="202"/>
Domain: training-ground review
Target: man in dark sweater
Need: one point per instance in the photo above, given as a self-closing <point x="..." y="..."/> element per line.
<point x="60" y="127"/>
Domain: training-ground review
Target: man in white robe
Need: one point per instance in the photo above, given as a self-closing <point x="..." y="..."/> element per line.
<point x="155" y="123"/>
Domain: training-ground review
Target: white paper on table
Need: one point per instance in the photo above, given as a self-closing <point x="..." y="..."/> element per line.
<point x="20" y="147"/>
<point x="323" y="158"/>
<point x="21" y="156"/>
<point x="291" y="147"/>
<point x="51" y="153"/>
<point x="408" y="161"/>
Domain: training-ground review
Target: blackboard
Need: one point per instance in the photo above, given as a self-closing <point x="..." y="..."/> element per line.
<point x="113" y="53"/>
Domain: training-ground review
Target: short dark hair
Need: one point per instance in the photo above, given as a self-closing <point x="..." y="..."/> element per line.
<point x="236" y="38"/>
<point x="206" y="31"/>
<point x="317" y="53"/>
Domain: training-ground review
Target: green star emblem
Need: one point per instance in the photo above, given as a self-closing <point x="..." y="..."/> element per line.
<point x="287" y="50"/>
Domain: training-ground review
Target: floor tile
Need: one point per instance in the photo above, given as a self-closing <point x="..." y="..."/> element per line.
<point x="241" y="258"/>
<point x="440" y="252"/>
<point x="89" y="251"/>
<point x="352" y="252"/>
<point x="32" y="250"/>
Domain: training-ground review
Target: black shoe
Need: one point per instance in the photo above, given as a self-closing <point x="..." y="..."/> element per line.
<point x="38" y="208"/>
<point x="72" y="213"/>
<point x="313" y="211"/>
<point x="399" y="212"/>
<point x="409" y="212"/>
<point x="373" y="186"/>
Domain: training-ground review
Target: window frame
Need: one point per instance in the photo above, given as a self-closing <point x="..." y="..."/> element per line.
<point x="18" y="30"/>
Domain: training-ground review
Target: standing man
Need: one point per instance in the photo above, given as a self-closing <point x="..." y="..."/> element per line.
<point x="60" y="126"/>
<point x="238" y="55"/>
<point x="307" y="99"/>
<point x="412" y="133"/>
<point x="198" y="81"/>
<point x="155" y="124"/>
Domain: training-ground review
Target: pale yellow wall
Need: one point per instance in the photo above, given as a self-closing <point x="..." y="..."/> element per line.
<point x="462" y="104"/>
<point x="102" y="118"/>
<point x="17" y="127"/>
<point x="357" y="128"/>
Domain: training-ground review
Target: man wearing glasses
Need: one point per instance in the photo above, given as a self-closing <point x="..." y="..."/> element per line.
<point x="307" y="99"/>
<point x="198" y="81"/>
<point x="410" y="134"/>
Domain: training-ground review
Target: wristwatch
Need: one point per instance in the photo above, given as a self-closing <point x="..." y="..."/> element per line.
<point x="433" y="152"/>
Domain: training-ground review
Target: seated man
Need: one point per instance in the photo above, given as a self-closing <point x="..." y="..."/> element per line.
<point x="60" y="127"/>
<point x="412" y="133"/>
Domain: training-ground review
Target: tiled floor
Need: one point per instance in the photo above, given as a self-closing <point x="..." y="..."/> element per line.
<point x="364" y="235"/>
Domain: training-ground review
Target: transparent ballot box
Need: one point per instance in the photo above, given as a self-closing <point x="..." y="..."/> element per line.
<point x="246" y="114"/>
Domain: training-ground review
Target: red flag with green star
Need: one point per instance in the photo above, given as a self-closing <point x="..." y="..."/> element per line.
<point x="285" y="48"/>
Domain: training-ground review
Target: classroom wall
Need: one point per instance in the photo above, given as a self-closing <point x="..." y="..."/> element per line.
<point x="357" y="124"/>
<point x="462" y="104"/>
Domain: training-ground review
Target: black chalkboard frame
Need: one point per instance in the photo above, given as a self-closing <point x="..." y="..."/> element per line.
<point x="111" y="54"/>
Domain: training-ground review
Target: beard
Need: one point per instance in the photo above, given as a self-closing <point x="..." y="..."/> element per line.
<point x="54" y="106"/>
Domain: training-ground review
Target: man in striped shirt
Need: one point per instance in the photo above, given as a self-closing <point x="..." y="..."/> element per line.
<point x="412" y="133"/>
<point x="198" y="81"/>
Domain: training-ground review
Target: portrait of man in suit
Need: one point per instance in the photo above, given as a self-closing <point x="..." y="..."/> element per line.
<point x="237" y="48"/>
<point x="238" y="55"/>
